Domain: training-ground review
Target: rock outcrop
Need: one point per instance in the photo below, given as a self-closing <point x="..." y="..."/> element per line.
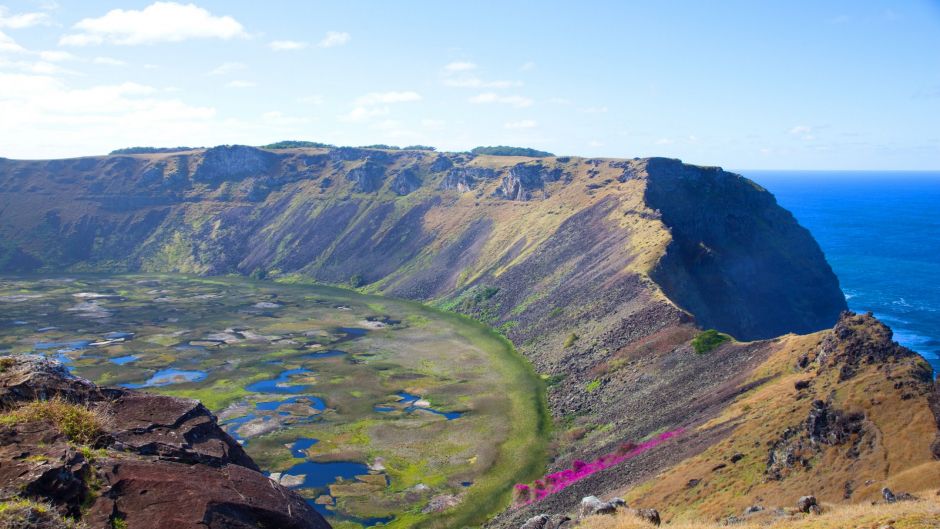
<point x="154" y="462"/>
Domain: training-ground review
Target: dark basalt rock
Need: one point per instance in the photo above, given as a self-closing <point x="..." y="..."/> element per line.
<point x="406" y="181"/>
<point x="234" y="162"/>
<point x="827" y="425"/>
<point x="524" y="178"/>
<point x="441" y="163"/>
<point x="738" y="260"/>
<point x="162" y="463"/>
<point x="465" y="178"/>
<point x="368" y="177"/>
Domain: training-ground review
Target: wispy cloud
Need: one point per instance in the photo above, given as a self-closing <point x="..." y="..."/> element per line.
<point x="241" y="83"/>
<point x="491" y="97"/>
<point x="460" y="66"/>
<point x="227" y="68"/>
<point x="804" y="132"/>
<point x="335" y="38"/>
<point x="158" y="22"/>
<point x="359" y="114"/>
<point x="108" y="61"/>
<point x="287" y="45"/>
<point x="526" y="66"/>
<point x="8" y="45"/>
<point x="374" y="98"/>
<point x="522" y="124"/>
<point x="21" y="20"/>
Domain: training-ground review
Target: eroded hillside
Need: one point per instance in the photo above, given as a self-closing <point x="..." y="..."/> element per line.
<point x="601" y="271"/>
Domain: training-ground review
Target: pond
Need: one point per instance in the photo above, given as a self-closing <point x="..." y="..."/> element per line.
<point x="354" y="401"/>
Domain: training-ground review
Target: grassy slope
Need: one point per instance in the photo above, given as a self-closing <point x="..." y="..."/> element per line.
<point x="923" y="514"/>
<point x="894" y="453"/>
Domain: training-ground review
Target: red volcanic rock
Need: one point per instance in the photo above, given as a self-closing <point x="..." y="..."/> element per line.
<point x="161" y="462"/>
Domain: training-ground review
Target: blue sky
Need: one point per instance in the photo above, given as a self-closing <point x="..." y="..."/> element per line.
<point x="789" y="84"/>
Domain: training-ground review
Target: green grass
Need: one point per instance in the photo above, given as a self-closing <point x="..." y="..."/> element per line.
<point x="592" y="386"/>
<point x="708" y="340"/>
<point x="78" y="423"/>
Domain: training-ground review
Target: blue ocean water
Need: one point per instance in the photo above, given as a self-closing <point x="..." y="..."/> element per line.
<point x="880" y="232"/>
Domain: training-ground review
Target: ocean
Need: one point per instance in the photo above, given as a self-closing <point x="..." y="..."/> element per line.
<point x="880" y="232"/>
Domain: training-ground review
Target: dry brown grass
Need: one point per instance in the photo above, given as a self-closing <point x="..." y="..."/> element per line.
<point x="895" y="452"/>
<point x="82" y="425"/>
<point x="921" y="514"/>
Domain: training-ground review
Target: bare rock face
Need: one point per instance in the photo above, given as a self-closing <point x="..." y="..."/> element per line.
<point x="234" y="162"/>
<point x="159" y="462"/>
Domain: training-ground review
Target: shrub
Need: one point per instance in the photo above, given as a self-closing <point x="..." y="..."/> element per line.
<point x="150" y="150"/>
<point x="295" y="144"/>
<point x="708" y="340"/>
<point x="419" y="148"/>
<point x="78" y="423"/>
<point x="592" y="386"/>
<point x="505" y="150"/>
<point x="6" y="363"/>
<point x="570" y="340"/>
<point x="19" y="513"/>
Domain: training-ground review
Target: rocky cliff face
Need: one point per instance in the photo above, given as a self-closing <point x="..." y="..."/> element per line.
<point x="119" y="458"/>
<point x="600" y="271"/>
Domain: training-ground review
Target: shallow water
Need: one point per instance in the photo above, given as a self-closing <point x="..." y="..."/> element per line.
<point x="281" y="384"/>
<point x="165" y="377"/>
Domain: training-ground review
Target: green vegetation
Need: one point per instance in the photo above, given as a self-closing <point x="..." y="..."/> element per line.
<point x="6" y="363"/>
<point x="381" y="146"/>
<point x="570" y="340"/>
<point x="592" y="386"/>
<point x="78" y="423"/>
<point x="419" y="148"/>
<point x="119" y="523"/>
<point x="297" y="144"/>
<point x="150" y="150"/>
<point x="237" y="332"/>
<point x="18" y="513"/>
<point x="708" y="340"/>
<point x="504" y="150"/>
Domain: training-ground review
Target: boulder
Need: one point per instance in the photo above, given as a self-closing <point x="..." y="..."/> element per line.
<point x="650" y="515"/>
<point x="806" y="503"/>
<point x="592" y="506"/>
<point x="161" y="462"/>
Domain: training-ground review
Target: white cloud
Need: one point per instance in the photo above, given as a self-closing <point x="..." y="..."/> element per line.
<point x="8" y="45"/>
<point x="56" y="56"/>
<point x="43" y="116"/>
<point x="804" y="132"/>
<point x="460" y="66"/>
<point x="334" y="38"/>
<point x="376" y="98"/>
<point x="227" y="68"/>
<point x="490" y="97"/>
<point x="108" y="61"/>
<point x="433" y="124"/>
<point x="359" y="114"/>
<point x="469" y="81"/>
<point x="279" y="118"/>
<point x="21" y="20"/>
<point x="240" y="83"/>
<point x="287" y="45"/>
<point x="158" y="22"/>
<point x="522" y="124"/>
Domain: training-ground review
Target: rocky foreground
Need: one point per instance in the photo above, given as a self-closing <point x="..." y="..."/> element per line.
<point x="73" y="454"/>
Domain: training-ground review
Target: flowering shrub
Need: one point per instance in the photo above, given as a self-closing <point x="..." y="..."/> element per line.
<point x="558" y="481"/>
